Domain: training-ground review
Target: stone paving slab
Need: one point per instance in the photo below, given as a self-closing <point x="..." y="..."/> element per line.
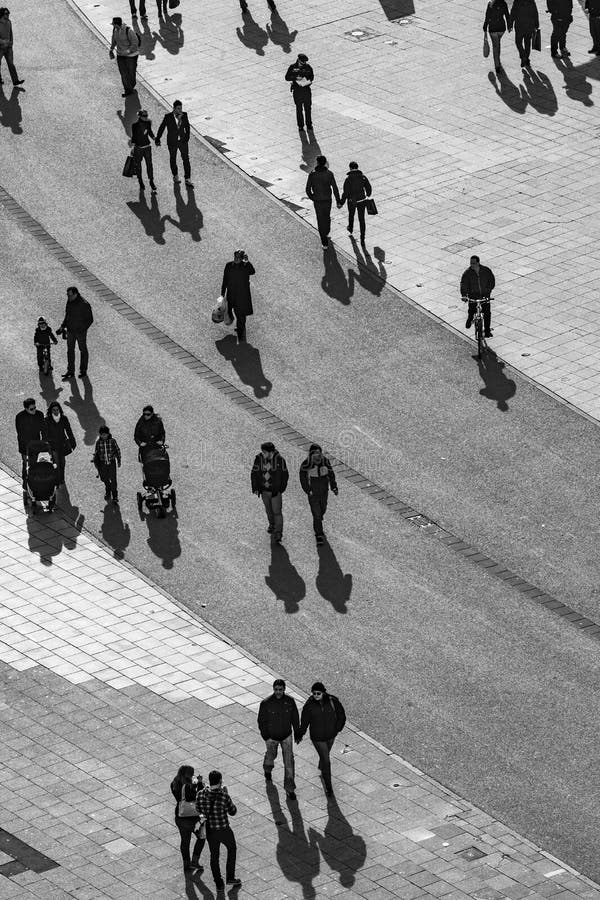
<point x="107" y="685"/>
<point x="460" y="162"/>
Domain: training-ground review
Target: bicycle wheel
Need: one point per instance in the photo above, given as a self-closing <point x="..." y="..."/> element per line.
<point x="480" y="339"/>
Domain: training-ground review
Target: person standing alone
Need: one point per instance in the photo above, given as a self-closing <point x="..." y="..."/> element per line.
<point x="320" y="185"/>
<point x="236" y="290"/>
<point x="497" y="20"/>
<point x="6" y="46"/>
<point x="324" y="715"/>
<point x="75" y="325"/>
<point x="561" y="15"/>
<point x="126" y="42"/>
<point x="178" y="138"/>
<point x="277" y="719"/>
<point x="301" y="76"/>
<point x="269" y="479"/>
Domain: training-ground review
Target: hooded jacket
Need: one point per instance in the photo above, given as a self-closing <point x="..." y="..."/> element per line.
<point x="279" y="474"/>
<point x="78" y="315"/>
<point x="321" y="182"/>
<point x="357" y="187"/>
<point x="30" y="427"/>
<point x="277" y="718"/>
<point x="325" y="718"/>
<point x="317" y="479"/>
<point x="149" y="431"/>
<point x="59" y="434"/>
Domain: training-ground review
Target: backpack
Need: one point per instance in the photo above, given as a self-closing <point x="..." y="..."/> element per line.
<point x="138" y="36"/>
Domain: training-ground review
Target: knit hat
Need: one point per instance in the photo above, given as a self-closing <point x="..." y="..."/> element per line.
<point x="318" y="686"/>
<point x="314" y="448"/>
<point x="268" y="447"/>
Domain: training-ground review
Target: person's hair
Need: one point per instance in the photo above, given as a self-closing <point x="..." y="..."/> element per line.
<point x="54" y="405"/>
<point x="185" y="773"/>
<point x="318" y="686"/>
<point x="268" y="446"/>
<point x="214" y="778"/>
<point x="148" y="409"/>
<point x="177" y="103"/>
<point x="104" y="429"/>
<point x="353" y="165"/>
<point x="4" y="10"/>
<point x="321" y="160"/>
<point x="476" y="258"/>
<point x="279" y="682"/>
<point x="142" y="112"/>
<point x="73" y="288"/>
<point x="117" y="20"/>
<point x="28" y="402"/>
<point x="239" y="254"/>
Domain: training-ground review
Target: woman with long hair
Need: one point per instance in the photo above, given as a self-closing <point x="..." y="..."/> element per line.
<point x="59" y="435"/>
<point x="184" y="788"/>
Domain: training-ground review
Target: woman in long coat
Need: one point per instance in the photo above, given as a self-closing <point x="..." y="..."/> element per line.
<point x="236" y="290"/>
<point x="525" y="18"/>
<point x="60" y="437"/>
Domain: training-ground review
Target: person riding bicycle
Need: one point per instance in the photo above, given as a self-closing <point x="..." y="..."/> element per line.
<point x="42" y="337"/>
<point x="477" y="283"/>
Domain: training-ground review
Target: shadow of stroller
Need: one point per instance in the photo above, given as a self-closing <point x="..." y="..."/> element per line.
<point x="49" y="391"/>
<point x="170" y="33"/>
<point x="246" y="361"/>
<point x="51" y="532"/>
<point x="332" y="584"/>
<point x="577" y="87"/>
<point x="163" y="538"/>
<point x="297" y="854"/>
<point x="11" y="114"/>
<point x="508" y="92"/>
<point x="343" y="850"/>
<point x="284" y="579"/>
<point x="310" y="150"/>
<point x="252" y="35"/>
<point x="279" y="33"/>
<point x="149" y="216"/>
<point x="115" y="532"/>
<point x="190" y="217"/>
<point x="85" y="409"/>
<point x="334" y="282"/>
<point x="538" y="90"/>
<point x="497" y="386"/>
<point x="370" y="276"/>
<point x="128" y="115"/>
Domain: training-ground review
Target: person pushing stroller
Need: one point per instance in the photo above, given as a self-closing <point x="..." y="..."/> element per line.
<point x="149" y="430"/>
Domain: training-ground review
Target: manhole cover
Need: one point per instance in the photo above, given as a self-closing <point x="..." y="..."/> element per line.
<point x="360" y="34"/>
<point x="471" y="853"/>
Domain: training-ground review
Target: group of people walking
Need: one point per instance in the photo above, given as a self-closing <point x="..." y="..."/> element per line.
<point x="177" y="126"/>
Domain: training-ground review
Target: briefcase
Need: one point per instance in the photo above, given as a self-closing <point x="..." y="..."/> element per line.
<point x="371" y="207"/>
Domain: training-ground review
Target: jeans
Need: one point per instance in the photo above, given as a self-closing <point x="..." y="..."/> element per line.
<point x="186" y="825"/>
<point x="273" y="508"/>
<point x="303" y="103"/>
<point x="79" y="338"/>
<point x="139" y="154"/>
<point x="318" y="508"/>
<point x="128" y="69"/>
<point x="216" y="837"/>
<point x="108" y="477"/>
<point x="323" y="748"/>
<point x="595" y="32"/>
<point x="7" y="53"/>
<point x="323" y="211"/>
<point x="185" y="156"/>
<point x="142" y="8"/>
<point x="487" y="315"/>
<point x="361" y="209"/>
<point x="495" y="38"/>
<point x="287" y="751"/>
<point x="558" y="39"/>
<point x="523" y="42"/>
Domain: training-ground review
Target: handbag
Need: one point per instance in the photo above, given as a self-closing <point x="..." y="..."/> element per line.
<point x="218" y="313"/>
<point x="486" y="46"/>
<point x="129" y="169"/>
<point x="371" y="207"/>
<point x="536" y="43"/>
<point x="186" y="808"/>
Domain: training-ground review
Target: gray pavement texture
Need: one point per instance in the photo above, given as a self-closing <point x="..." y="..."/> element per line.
<point x="456" y="672"/>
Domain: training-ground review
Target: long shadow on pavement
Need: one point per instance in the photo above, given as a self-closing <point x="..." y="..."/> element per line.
<point x="149" y="216"/>
<point x="332" y="584"/>
<point x="149" y="40"/>
<point x="252" y="35"/>
<point x="115" y="532"/>
<point x="508" y="92"/>
<point x="497" y="386"/>
<point x="191" y="220"/>
<point x="11" y="114"/>
<point x="284" y="579"/>
<point x="163" y="538"/>
<point x="49" y="533"/>
<point x="577" y="87"/>
<point x="86" y="410"/>
<point x="128" y="115"/>
<point x="539" y="92"/>
<point x="279" y="33"/>
<point x="343" y="850"/>
<point x="170" y="33"/>
<point x="246" y="361"/>
<point x="335" y="281"/>
<point x="49" y="391"/>
<point x="297" y="855"/>
<point x="372" y="277"/>
<point x="310" y="150"/>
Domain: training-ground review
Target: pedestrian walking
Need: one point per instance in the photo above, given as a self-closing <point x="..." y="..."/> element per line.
<point x="497" y="21"/>
<point x="133" y="9"/>
<point x="561" y="16"/>
<point x="316" y="477"/>
<point x="127" y="45"/>
<point x="477" y="283"/>
<point x="320" y="185"/>
<point x="236" y="289"/>
<point x="185" y="788"/>
<point x="149" y="429"/>
<point x="30" y="425"/>
<point x="78" y="319"/>
<point x="301" y="76"/>
<point x="592" y="7"/>
<point x="6" y="46"/>
<point x="277" y="719"/>
<point x="107" y="456"/>
<point x="177" y="126"/>
<point x="141" y="132"/>
<point x="324" y="715"/>
<point x="59" y="435"/>
<point x="42" y="336"/>
<point x="525" y="20"/>
<point x="269" y="479"/>
<point x="215" y="804"/>
<point x="357" y="188"/>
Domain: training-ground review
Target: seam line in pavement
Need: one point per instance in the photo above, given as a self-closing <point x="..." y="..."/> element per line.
<point x="289" y="434"/>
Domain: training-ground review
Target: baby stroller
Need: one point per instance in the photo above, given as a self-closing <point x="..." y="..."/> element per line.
<point x="41" y="478"/>
<point x="158" y="490"/>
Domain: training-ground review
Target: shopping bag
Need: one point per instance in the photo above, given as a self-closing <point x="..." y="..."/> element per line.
<point x="371" y="207"/>
<point x="486" y="46"/>
<point x="173" y="4"/>
<point x="129" y="169"/>
<point x="536" y="43"/>
<point x="218" y="313"/>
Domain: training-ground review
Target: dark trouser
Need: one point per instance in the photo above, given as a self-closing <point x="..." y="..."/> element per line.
<point x="323" y="211"/>
<point x="142" y="8"/>
<point x="216" y="837"/>
<point x="595" y="32"/>
<point x="59" y="458"/>
<point x="7" y="53"/>
<point x="360" y="208"/>
<point x="558" y="39"/>
<point x="273" y="504"/>
<point x="487" y="314"/>
<point x="24" y="470"/>
<point x="303" y="103"/>
<point x="162" y="6"/>
<point x="318" y="508"/>
<point x="495" y="38"/>
<point x="323" y="748"/>
<point x="523" y="42"/>
<point x="185" y="156"/>
<point x="108" y="477"/>
<point x="128" y="68"/>
<point x="139" y="154"/>
<point x="40" y="355"/>
<point x="186" y="827"/>
<point x="240" y="322"/>
<point x="79" y="338"/>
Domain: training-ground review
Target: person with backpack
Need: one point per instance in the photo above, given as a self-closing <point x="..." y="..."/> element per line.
<point x="325" y="716"/>
<point x="126" y="42"/>
<point x="185" y="789"/>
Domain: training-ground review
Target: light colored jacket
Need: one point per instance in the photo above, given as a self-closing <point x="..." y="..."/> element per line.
<point x="125" y="41"/>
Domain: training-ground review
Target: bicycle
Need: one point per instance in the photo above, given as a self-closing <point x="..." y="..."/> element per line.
<point x="479" y="325"/>
<point x="46" y="365"/>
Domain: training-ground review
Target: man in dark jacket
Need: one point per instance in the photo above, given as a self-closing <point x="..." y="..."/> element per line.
<point x="526" y="21"/>
<point x="319" y="187"/>
<point x="356" y="190"/>
<point x="592" y="7"/>
<point x="316" y="477"/>
<point x="6" y="46"/>
<point x="269" y="478"/>
<point x="178" y="139"/>
<point x="561" y="15"/>
<point x="77" y="320"/>
<point x="477" y="283"/>
<point x="302" y="76"/>
<point x="325" y="716"/>
<point x="30" y="425"/>
<point x="149" y="429"/>
<point x="236" y="290"/>
<point x="277" y="718"/>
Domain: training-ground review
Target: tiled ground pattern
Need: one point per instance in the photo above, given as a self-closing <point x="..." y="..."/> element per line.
<point x="460" y="162"/>
<point x="107" y="686"/>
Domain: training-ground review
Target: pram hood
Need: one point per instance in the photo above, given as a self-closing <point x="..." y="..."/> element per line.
<point x="41" y="479"/>
<point x="156" y="466"/>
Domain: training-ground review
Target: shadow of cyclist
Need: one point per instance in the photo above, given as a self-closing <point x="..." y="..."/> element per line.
<point x="497" y="386"/>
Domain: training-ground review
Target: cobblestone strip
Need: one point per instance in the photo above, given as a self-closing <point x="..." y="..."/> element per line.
<point x="287" y="432"/>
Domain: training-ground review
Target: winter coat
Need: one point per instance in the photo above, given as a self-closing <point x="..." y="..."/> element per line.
<point x="560" y="9"/>
<point x="78" y="315"/>
<point x="474" y="285"/>
<point x="356" y="187"/>
<point x="30" y="428"/>
<point x="524" y="16"/>
<point x="321" y="182"/>
<point x="298" y="70"/>
<point x="497" y="17"/>
<point x="149" y="431"/>
<point x="279" y="474"/>
<point x="59" y="435"/>
<point x="44" y="337"/>
<point x="141" y="132"/>
<point x="277" y="718"/>
<point x="236" y="287"/>
<point x="325" y="718"/>
<point x="593" y="7"/>
<point x="317" y="479"/>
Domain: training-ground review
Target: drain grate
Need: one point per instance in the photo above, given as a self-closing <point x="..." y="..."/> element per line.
<point x="471" y="853"/>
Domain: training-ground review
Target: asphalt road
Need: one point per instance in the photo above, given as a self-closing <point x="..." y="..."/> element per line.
<point x="450" y="668"/>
